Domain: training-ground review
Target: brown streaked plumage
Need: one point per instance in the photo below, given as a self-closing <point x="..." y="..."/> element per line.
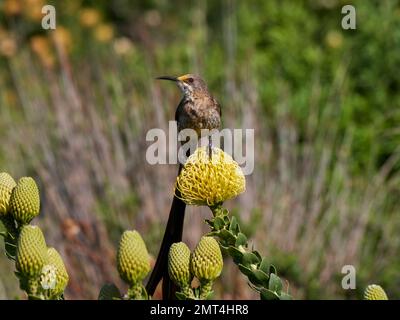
<point x="197" y="110"/>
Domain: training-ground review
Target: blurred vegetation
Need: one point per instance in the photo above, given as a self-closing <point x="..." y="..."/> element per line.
<point x="76" y="103"/>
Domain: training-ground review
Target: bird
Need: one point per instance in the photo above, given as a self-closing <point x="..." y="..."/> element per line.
<point x="197" y="110"/>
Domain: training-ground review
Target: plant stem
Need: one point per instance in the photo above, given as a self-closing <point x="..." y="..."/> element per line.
<point x="135" y="292"/>
<point x="205" y="289"/>
<point x="261" y="274"/>
<point x="188" y="292"/>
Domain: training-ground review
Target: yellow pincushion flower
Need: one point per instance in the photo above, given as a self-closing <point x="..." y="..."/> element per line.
<point x="205" y="181"/>
<point x="375" y="292"/>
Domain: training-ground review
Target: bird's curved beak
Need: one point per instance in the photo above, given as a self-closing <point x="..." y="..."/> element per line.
<point x="167" y="78"/>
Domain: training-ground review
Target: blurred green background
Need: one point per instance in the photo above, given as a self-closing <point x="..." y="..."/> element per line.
<point x="76" y="103"/>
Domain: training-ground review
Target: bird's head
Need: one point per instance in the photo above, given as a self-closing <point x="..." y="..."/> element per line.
<point x="188" y="83"/>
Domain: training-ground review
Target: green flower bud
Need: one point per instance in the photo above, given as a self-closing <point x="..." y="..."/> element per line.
<point x="62" y="277"/>
<point x="109" y="292"/>
<point x="207" y="259"/>
<point x="25" y="201"/>
<point x="7" y="184"/>
<point x="375" y="292"/>
<point x="31" y="251"/>
<point x="179" y="264"/>
<point x="133" y="260"/>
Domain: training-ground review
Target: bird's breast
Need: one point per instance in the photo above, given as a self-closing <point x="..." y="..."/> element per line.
<point x="199" y="115"/>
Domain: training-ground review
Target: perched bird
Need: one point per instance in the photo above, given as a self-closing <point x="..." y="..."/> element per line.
<point x="197" y="110"/>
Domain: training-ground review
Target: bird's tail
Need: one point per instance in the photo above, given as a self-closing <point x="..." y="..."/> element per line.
<point x="173" y="233"/>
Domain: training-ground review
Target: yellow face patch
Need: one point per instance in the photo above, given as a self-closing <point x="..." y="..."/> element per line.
<point x="184" y="77"/>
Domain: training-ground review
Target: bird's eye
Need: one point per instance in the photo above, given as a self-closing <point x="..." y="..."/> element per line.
<point x="190" y="80"/>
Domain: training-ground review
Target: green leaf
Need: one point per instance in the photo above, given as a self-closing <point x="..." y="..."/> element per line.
<point x="259" y="277"/>
<point x="218" y="223"/>
<point x="233" y="227"/>
<point x="227" y="236"/>
<point x="235" y="254"/>
<point x="241" y="240"/>
<point x="245" y="270"/>
<point x="266" y="294"/>
<point x="250" y="258"/>
<point x="272" y="269"/>
<point x="264" y="265"/>
<point x="196" y="292"/>
<point x="258" y="255"/>
<point x="275" y="283"/>
<point x="225" y="212"/>
<point x="209" y="222"/>
<point x="181" y="296"/>
<point x="227" y="221"/>
<point x="210" y="295"/>
<point x="213" y="234"/>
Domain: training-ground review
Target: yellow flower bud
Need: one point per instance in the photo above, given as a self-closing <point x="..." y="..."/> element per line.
<point x="25" y="200"/>
<point x="62" y="277"/>
<point x="375" y="292"/>
<point x="31" y="251"/>
<point x="207" y="259"/>
<point x="7" y="184"/>
<point x="179" y="264"/>
<point x="133" y="260"/>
